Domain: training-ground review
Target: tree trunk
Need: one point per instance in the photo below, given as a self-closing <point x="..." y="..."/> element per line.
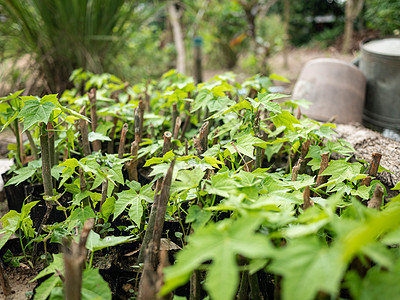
<point x="348" y="34"/>
<point x="286" y="19"/>
<point x="353" y="8"/>
<point x="178" y="38"/>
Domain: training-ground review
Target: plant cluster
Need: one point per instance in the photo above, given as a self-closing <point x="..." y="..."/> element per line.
<point x="60" y="36"/>
<point x="262" y="200"/>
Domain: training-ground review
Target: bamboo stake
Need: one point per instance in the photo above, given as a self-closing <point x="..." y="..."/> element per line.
<point x="110" y="146"/>
<point x="148" y="236"/>
<point x="164" y="262"/>
<point x="264" y="137"/>
<point x="65" y="154"/>
<point x="131" y="166"/>
<point x="254" y="287"/>
<point x="21" y="148"/>
<point x="152" y="133"/>
<point x="83" y="187"/>
<point x="74" y="259"/>
<point x="290" y="161"/>
<point x="148" y="281"/>
<point x="83" y="125"/>
<point x="197" y="146"/>
<point x="46" y="162"/>
<point x="141" y="108"/>
<point x="104" y="188"/>
<point x="203" y="137"/>
<point x="307" y="203"/>
<point x="32" y="144"/>
<point x="47" y="183"/>
<point x="93" y="109"/>
<point x="305" y="147"/>
<point x="324" y="165"/>
<point x="215" y="137"/>
<point x="167" y="142"/>
<point x="376" y="200"/>
<point x="259" y="158"/>
<point x="244" y="286"/>
<point x="160" y="215"/>
<point x="205" y="116"/>
<point x="82" y="180"/>
<point x="195" y="286"/>
<point x="52" y="150"/>
<point x="174" y="115"/>
<point x="257" y="121"/>
<point x="366" y="181"/>
<point x="93" y="115"/>
<point x="295" y="171"/>
<point x="300" y="164"/>
<point x="147" y="98"/>
<point x="373" y="169"/>
<point x="374" y="166"/>
<point x="122" y="141"/>
<point x="298" y="113"/>
<point x="147" y="240"/>
<point x="66" y="151"/>
<point x="150" y="225"/>
<point x="5" y="284"/>
<point x="178" y="123"/>
<point x="137" y="135"/>
<point x="137" y="124"/>
<point x="277" y="287"/>
<point x="18" y="156"/>
<point x="187" y="120"/>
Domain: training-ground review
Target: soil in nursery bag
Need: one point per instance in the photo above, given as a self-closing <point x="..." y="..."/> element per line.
<point x="15" y="194"/>
<point x="35" y="193"/>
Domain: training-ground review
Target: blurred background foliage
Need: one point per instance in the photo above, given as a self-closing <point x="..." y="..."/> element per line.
<point x="383" y="15"/>
<point x="43" y="41"/>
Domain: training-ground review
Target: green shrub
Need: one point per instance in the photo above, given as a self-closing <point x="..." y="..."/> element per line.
<point x="63" y="35"/>
<point x="383" y="15"/>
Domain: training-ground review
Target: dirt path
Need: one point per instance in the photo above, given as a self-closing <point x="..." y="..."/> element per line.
<point x="297" y="58"/>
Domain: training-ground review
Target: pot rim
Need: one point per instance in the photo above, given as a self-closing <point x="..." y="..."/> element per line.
<point x="380" y="55"/>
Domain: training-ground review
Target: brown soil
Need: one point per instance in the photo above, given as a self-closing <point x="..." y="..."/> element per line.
<point x="19" y="280"/>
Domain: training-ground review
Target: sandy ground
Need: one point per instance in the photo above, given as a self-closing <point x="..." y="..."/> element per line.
<point x="297" y="58"/>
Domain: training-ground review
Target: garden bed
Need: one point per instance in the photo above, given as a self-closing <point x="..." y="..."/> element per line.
<point x="230" y="186"/>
